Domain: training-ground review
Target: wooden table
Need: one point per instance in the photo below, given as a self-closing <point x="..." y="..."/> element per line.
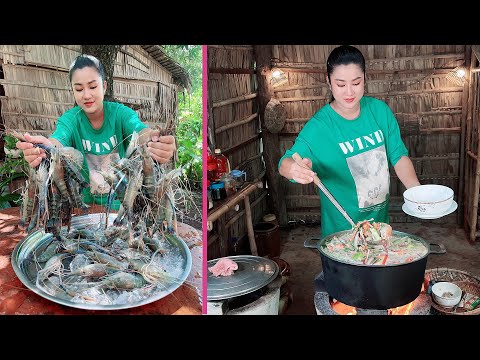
<point x="17" y="299"/>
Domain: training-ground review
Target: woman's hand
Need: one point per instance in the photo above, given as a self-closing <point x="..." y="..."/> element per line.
<point x="293" y="171"/>
<point x="161" y="148"/>
<point x="33" y="155"/>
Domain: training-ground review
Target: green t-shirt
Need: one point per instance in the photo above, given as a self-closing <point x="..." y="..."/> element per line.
<point x="352" y="159"/>
<point x="99" y="147"/>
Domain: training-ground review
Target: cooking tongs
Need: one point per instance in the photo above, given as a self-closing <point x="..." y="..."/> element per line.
<point x="298" y="159"/>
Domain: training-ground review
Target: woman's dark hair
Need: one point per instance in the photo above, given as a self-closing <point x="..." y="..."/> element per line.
<point x="85" y="60"/>
<point x="345" y="55"/>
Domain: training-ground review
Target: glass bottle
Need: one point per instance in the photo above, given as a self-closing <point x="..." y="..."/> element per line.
<point x="222" y="163"/>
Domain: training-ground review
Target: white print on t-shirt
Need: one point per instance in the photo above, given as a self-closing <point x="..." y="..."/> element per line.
<point x="99" y="148"/>
<point x="362" y="142"/>
<point x="372" y="178"/>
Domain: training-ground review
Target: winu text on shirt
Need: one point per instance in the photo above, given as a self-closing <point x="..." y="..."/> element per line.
<point x="99" y="148"/>
<point x="362" y="142"/>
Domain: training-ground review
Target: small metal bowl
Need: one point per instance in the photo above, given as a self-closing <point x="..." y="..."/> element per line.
<point x="446" y="294"/>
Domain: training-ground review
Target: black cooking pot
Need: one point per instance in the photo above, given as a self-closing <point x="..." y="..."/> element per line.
<point x="372" y="286"/>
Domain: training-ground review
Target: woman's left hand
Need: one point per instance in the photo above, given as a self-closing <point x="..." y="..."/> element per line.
<point x="161" y="148"/>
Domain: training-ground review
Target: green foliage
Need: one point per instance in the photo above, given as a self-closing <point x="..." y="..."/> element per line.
<point x="189" y="128"/>
<point x="190" y="149"/>
<point x="12" y="168"/>
<point x="10" y="142"/>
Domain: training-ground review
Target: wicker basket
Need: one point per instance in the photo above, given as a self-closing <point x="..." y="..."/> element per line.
<point x="467" y="282"/>
<point x="275" y="116"/>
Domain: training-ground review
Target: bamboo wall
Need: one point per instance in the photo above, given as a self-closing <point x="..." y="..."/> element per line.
<point x="414" y="80"/>
<point x="472" y="149"/>
<point x="233" y="127"/>
<point x="37" y="91"/>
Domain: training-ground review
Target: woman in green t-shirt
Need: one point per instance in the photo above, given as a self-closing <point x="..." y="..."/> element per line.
<point x="99" y="129"/>
<point x="350" y="143"/>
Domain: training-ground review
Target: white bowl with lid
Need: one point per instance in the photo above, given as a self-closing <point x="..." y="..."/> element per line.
<point x="446" y="294"/>
<point x="428" y="200"/>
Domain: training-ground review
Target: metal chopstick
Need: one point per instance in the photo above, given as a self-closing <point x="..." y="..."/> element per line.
<point x="298" y="159"/>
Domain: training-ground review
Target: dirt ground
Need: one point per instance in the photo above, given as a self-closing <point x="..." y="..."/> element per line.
<point x="305" y="263"/>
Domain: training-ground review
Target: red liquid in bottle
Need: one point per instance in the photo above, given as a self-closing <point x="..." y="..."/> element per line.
<point x="222" y="164"/>
<point x="211" y="166"/>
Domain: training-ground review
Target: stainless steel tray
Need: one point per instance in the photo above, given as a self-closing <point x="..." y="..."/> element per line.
<point x="25" y="269"/>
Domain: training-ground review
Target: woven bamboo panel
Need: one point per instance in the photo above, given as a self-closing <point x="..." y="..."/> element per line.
<point x="12" y="54"/>
<point x="37" y="89"/>
<point x="133" y="62"/>
<point x="54" y="56"/>
<point x="239" y="142"/>
<point x="230" y="57"/>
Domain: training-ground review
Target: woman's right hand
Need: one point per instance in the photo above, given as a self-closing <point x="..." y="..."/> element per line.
<point x="33" y="155"/>
<point x="301" y="174"/>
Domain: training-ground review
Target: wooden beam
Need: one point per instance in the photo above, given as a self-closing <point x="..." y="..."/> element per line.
<point x="390" y="93"/>
<point x="373" y="72"/>
<point x="297" y="120"/>
<point x="424" y="113"/>
<point x="300" y="87"/>
<point x="241" y="213"/>
<point x="443" y="112"/>
<point x="422" y="91"/>
<point x="236" y="123"/>
<point x="242" y="144"/>
<point x="34" y="84"/>
<point x="232" y="47"/>
<point x="231" y="71"/>
<point x="311" y="65"/>
<point x="236" y="198"/>
<point x="271" y="141"/>
<point x="472" y="155"/>
<point x="43" y="101"/>
<point x="30" y="115"/>
<point x="448" y="131"/>
<point x="302" y="98"/>
<point x="235" y="100"/>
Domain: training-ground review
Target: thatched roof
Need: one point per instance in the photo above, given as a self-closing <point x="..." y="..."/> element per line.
<point x="180" y="75"/>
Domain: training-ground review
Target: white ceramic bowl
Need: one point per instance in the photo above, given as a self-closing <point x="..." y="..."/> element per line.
<point x="446" y="294"/>
<point x="428" y="199"/>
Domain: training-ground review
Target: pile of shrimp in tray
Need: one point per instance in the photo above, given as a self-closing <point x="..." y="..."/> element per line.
<point x="101" y="261"/>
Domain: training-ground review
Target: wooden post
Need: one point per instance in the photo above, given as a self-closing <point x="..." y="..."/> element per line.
<point x="222" y="236"/>
<point x="461" y="180"/>
<point x="248" y="220"/>
<point x="210" y="123"/>
<point x="271" y="143"/>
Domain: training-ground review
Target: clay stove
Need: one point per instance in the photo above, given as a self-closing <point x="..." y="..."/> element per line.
<point x="326" y="305"/>
<point x="264" y="301"/>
